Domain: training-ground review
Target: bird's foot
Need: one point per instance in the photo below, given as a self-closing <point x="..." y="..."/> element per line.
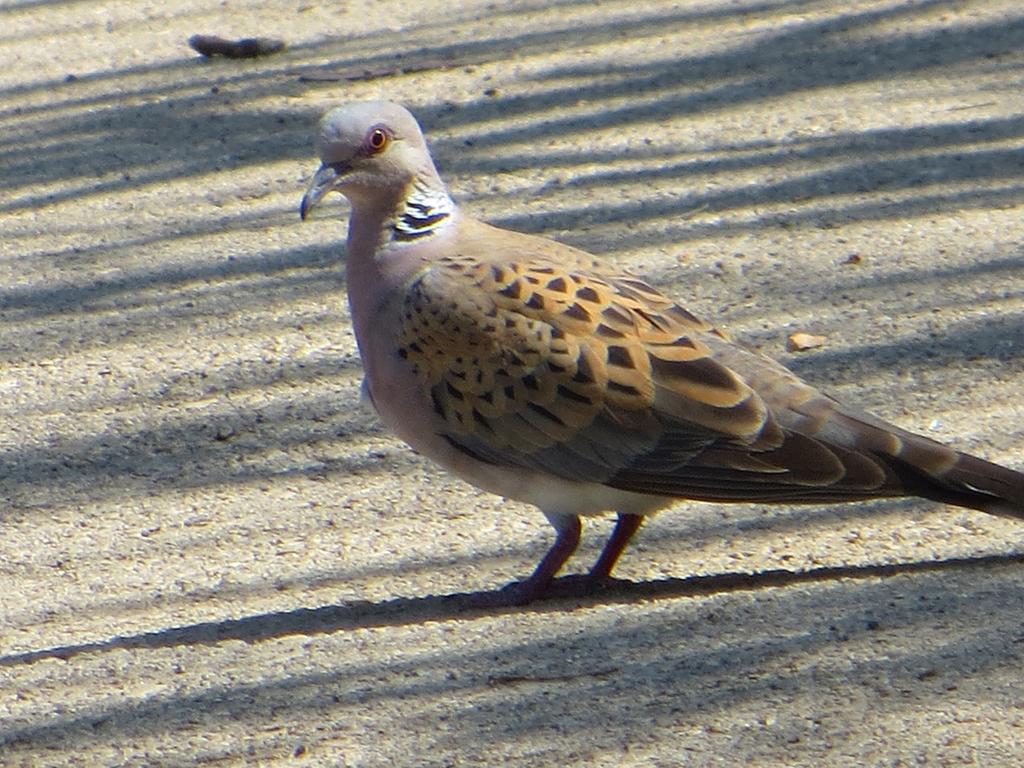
<point x="514" y="594"/>
<point x="528" y="591"/>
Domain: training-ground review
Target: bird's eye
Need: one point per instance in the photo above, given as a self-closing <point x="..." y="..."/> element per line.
<point x="376" y="140"/>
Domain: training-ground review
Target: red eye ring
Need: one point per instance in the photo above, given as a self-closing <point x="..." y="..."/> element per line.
<point x="377" y="139"/>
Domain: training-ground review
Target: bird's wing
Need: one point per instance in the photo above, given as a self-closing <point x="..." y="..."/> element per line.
<point x="541" y="364"/>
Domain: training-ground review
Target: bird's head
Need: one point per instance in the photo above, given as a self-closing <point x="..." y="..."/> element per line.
<point x="370" y="152"/>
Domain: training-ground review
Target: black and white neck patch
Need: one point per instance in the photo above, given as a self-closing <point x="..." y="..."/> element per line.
<point x="426" y="211"/>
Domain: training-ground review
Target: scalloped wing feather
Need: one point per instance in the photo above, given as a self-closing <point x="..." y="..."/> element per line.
<point x="591" y="377"/>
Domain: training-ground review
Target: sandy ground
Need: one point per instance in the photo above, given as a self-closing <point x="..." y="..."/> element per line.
<point x="211" y="555"/>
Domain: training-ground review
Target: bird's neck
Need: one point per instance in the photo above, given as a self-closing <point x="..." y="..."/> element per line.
<point x="381" y="240"/>
<point x="421" y="212"/>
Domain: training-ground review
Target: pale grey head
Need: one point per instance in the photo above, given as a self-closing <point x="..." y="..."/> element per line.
<point x="371" y="152"/>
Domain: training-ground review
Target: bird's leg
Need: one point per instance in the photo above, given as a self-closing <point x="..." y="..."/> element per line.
<point x="625" y="527"/>
<point x="569" y="529"/>
<point x="538" y="583"/>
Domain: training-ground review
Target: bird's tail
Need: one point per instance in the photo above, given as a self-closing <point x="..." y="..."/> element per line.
<point x="969" y="482"/>
<point x="922" y="467"/>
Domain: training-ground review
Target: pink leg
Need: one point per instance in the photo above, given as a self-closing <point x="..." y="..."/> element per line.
<point x="537" y="585"/>
<point x="534" y="587"/>
<point x="625" y="527"/>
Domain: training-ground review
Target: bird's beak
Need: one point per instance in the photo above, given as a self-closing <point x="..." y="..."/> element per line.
<point x="322" y="183"/>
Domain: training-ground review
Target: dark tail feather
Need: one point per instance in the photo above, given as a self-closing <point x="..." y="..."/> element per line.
<point x="920" y="466"/>
<point x="969" y="482"/>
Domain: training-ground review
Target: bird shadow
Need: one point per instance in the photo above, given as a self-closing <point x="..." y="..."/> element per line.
<point x="565" y="595"/>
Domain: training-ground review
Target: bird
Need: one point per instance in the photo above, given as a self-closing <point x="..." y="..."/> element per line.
<point x="536" y="372"/>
